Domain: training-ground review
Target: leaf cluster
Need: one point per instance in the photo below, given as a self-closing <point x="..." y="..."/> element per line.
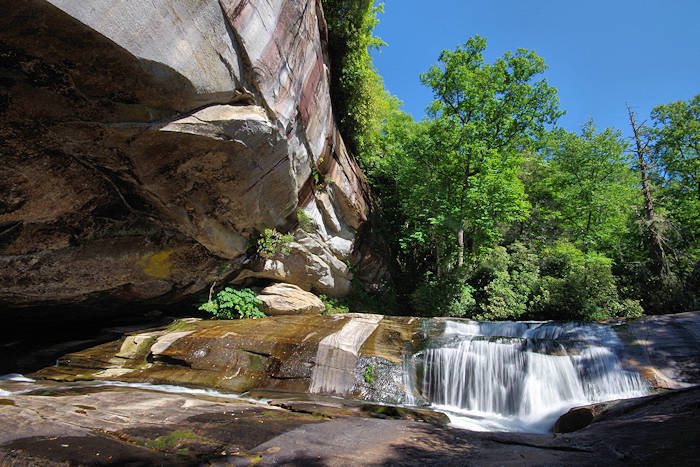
<point x="333" y="305"/>
<point x="231" y="303"/>
<point x="305" y="222"/>
<point x="273" y="243"/>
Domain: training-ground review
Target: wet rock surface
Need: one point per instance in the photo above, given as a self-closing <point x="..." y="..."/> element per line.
<point x="293" y="353"/>
<point x="665" y="349"/>
<point x="117" y="426"/>
<point x="63" y="420"/>
<point x="120" y="426"/>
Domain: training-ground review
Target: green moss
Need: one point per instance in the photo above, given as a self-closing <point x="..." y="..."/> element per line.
<point x="223" y="268"/>
<point x="7" y="402"/>
<point x="256" y="361"/>
<point x="172" y="440"/>
<point x="181" y="325"/>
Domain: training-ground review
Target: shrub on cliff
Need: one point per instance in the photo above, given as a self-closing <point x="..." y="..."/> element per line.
<point x="272" y="243"/>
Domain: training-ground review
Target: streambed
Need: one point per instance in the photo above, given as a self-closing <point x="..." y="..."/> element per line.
<point x="506" y="376"/>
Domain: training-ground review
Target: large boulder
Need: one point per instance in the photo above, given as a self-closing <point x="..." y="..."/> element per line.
<point x="145" y="145"/>
<point x="289" y="299"/>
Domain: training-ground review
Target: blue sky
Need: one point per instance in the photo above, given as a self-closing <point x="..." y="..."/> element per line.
<point x="601" y="54"/>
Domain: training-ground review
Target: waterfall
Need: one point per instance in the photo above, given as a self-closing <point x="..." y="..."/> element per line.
<point x="520" y="376"/>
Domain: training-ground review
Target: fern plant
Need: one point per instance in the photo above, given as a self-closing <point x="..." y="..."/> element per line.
<point x="230" y="301"/>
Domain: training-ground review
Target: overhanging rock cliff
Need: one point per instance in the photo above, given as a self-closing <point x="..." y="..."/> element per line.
<point x="145" y="145"/>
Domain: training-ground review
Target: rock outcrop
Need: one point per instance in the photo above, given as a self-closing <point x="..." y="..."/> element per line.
<point x="145" y="145"/>
<point x="288" y="299"/>
<point x="664" y="349"/>
<point x="292" y="353"/>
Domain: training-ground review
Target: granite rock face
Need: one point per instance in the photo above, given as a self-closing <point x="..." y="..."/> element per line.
<point x="145" y="145"/>
<point x="664" y="349"/>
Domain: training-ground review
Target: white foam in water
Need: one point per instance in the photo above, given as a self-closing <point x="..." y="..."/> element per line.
<point x="525" y="380"/>
<point x="169" y="388"/>
<point x="16" y="377"/>
<point x="13" y="381"/>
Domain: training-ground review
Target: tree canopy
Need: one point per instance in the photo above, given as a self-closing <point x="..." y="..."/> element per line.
<point x="492" y="212"/>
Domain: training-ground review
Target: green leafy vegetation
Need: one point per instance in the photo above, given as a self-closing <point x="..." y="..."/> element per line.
<point x="360" y="101"/>
<point x="273" y="243"/>
<point x="493" y="212"/>
<point x="369" y="374"/>
<point x="305" y="222"/>
<point x="334" y="305"/>
<point x="231" y="303"/>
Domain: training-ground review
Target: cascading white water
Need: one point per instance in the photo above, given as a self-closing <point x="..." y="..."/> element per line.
<point x="520" y="376"/>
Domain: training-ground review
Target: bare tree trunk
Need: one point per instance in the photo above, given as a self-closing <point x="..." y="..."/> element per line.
<point x="655" y="243"/>
<point x="211" y="291"/>
<point x="460" y="245"/>
<point x="438" y="252"/>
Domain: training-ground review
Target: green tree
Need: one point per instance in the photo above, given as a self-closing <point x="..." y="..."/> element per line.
<point x="360" y="100"/>
<point x="652" y="223"/>
<point x="592" y="186"/>
<point x="485" y="116"/>
<point x="578" y="285"/>
<point x="677" y="155"/>
<point x="677" y="131"/>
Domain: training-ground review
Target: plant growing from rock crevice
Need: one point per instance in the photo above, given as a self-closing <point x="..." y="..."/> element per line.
<point x="305" y="222"/>
<point x="369" y="374"/>
<point x="273" y="243"/>
<point x="334" y="305"/>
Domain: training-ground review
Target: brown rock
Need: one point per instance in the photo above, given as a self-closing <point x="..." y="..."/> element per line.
<point x="289" y="299"/>
<point x="302" y="353"/>
<point x="146" y="144"/>
<point x="580" y="417"/>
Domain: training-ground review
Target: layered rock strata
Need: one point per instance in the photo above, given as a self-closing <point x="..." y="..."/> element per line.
<point x="145" y="145"/>
<point x="290" y="353"/>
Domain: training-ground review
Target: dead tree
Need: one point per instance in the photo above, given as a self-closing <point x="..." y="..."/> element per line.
<point x="652" y="221"/>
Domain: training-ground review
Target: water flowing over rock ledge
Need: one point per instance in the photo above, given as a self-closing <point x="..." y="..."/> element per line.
<point x="275" y="360"/>
<point x="487" y="376"/>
